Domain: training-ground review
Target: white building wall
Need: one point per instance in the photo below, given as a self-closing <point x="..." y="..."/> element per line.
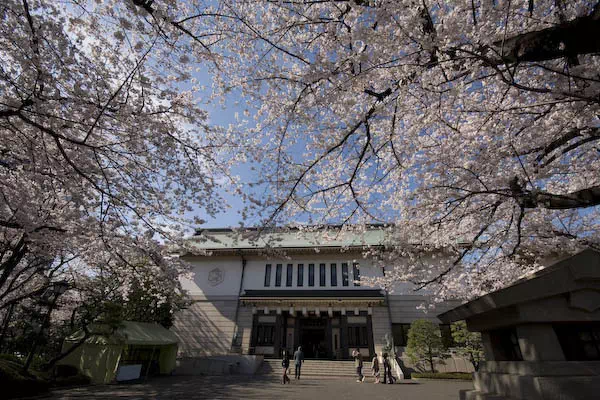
<point x="208" y="326"/>
<point x="198" y="284"/>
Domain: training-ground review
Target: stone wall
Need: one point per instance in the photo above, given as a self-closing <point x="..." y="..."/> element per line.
<point x="245" y="328"/>
<point x="526" y="380"/>
<point x="407" y="308"/>
<point x="381" y="326"/>
<point x="206" y="328"/>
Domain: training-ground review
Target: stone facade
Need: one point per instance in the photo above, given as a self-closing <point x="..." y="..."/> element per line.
<point x="251" y="299"/>
<point x="541" y="335"/>
<point x="206" y="328"/>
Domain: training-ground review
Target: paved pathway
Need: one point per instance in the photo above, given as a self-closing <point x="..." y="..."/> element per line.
<point x="247" y="387"/>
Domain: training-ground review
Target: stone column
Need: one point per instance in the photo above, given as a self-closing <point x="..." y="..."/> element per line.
<point x="344" y="336"/>
<point x="538" y="342"/>
<point x="328" y="338"/>
<point x="254" y="333"/>
<point x="296" y="332"/>
<point x="278" y="330"/>
<point x="488" y="349"/>
<point x="370" y="336"/>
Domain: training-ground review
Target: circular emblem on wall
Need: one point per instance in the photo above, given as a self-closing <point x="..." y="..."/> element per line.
<point x="216" y="277"/>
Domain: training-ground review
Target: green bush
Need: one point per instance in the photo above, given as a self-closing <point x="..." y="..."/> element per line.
<point x="443" y="375"/>
<point x="17" y="384"/>
<point x="424" y="343"/>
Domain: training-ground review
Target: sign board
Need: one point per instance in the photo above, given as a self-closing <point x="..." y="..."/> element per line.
<point x="129" y="372"/>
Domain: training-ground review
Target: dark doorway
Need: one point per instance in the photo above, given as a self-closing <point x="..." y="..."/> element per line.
<point x="313" y="337"/>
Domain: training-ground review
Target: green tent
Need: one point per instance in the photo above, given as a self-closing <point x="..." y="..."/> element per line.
<point x="149" y="347"/>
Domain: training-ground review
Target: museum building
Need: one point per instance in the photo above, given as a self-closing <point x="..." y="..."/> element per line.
<point x="265" y="292"/>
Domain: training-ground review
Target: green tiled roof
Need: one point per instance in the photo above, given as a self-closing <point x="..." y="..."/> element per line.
<point x="221" y="239"/>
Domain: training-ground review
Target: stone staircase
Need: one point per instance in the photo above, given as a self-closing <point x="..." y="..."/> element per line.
<point x="318" y="369"/>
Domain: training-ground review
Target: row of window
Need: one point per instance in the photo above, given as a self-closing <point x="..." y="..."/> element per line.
<point x="333" y="274"/>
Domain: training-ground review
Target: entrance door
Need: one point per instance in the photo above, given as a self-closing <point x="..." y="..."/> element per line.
<point x="313" y="337"/>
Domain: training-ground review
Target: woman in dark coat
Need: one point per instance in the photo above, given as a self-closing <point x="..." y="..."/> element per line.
<point x="285" y="363"/>
<point x="387" y="370"/>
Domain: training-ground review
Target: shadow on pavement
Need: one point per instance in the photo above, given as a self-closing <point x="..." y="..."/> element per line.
<point x="264" y="388"/>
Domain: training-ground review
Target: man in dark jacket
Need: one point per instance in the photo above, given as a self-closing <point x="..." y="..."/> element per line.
<point x="298" y="360"/>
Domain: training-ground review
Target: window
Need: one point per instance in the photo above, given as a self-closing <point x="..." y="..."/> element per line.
<point x="357" y="336"/>
<point x="447" y="339"/>
<point x="300" y="275"/>
<point x="311" y="274"/>
<point x="289" y="275"/>
<point x="278" y="275"/>
<point x="579" y="342"/>
<point x="322" y="275"/>
<point x="265" y="335"/>
<point x="400" y="334"/>
<point x="268" y="275"/>
<point x="356" y="274"/>
<point x="344" y="274"/>
<point x="506" y="345"/>
<point x="333" y="275"/>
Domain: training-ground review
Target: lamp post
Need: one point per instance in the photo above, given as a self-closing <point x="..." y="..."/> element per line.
<point x="50" y="296"/>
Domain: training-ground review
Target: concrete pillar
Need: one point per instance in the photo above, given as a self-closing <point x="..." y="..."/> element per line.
<point x="370" y="340"/>
<point x="344" y="336"/>
<point x="538" y="342"/>
<point x="278" y="334"/>
<point x="296" y="333"/>
<point x="488" y="349"/>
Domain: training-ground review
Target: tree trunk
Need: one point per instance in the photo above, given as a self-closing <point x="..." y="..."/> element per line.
<point x="430" y="359"/>
<point x="568" y="39"/>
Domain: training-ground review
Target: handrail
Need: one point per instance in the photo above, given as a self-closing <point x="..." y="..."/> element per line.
<point x="397" y="370"/>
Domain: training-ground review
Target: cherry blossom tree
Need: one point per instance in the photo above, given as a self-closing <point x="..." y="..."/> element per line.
<point x="104" y="146"/>
<point x="468" y="126"/>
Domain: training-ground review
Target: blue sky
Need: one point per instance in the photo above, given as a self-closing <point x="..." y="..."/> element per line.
<point x="224" y="115"/>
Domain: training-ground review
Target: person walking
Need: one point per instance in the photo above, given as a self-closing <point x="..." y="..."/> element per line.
<point x="285" y="363"/>
<point x="375" y="368"/>
<point x="387" y="370"/>
<point x="298" y="360"/>
<point x="358" y="363"/>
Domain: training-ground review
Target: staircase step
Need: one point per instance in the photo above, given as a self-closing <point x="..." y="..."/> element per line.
<point x="321" y="368"/>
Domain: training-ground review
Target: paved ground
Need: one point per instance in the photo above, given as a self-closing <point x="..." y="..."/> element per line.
<point x="245" y="387"/>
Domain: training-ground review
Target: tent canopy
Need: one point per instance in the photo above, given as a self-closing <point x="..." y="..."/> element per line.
<point x="128" y="333"/>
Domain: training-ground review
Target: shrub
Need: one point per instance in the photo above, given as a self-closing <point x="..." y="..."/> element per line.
<point x="469" y="343"/>
<point x="424" y="343"/>
<point x="442" y="375"/>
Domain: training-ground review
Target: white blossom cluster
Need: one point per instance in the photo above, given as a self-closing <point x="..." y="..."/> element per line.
<point x="469" y="127"/>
